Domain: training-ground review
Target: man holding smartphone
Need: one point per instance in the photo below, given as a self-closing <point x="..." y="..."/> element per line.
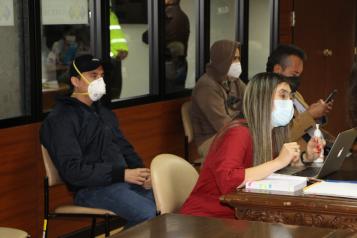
<point x="288" y="60"/>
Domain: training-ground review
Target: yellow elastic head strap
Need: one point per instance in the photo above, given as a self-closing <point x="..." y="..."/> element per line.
<point x="86" y="80"/>
<point x="75" y="67"/>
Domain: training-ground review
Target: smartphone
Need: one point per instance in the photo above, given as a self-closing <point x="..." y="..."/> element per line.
<point x="331" y="96"/>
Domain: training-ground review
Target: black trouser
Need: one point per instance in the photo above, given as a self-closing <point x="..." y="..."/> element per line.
<point x="116" y="79"/>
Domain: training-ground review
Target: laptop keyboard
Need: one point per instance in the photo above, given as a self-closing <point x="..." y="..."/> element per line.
<point x="289" y="170"/>
<point x="308" y="172"/>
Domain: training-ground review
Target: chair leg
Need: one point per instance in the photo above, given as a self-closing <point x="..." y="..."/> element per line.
<point x="92" y="230"/>
<point x="106" y="226"/>
<point x="44" y="233"/>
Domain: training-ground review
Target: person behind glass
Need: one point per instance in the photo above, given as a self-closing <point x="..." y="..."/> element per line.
<point x="177" y="32"/>
<point x="288" y="60"/>
<point x="90" y="152"/>
<point x="63" y="50"/>
<point x="118" y="50"/>
<point x="217" y="96"/>
<point x="248" y="149"/>
<point x="352" y="96"/>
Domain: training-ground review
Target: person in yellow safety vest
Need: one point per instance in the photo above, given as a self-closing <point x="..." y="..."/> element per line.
<point x="118" y="52"/>
<point x="118" y="42"/>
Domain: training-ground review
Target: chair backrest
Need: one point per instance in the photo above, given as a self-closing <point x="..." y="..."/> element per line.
<point x="173" y="179"/>
<point x="51" y="171"/>
<point x="12" y="233"/>
<point x="186" y="120"/>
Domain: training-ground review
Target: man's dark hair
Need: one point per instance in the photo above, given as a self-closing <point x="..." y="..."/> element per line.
<point x="177" y="2"/>
<point x="280" y="56"/>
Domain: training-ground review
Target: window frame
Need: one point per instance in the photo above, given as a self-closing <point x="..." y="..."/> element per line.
<point x="99" y="28"/>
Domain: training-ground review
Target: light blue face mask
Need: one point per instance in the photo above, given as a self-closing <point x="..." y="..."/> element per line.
<point x="283" y="112"/>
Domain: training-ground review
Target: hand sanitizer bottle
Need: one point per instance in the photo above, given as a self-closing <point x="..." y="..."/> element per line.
<point x="318" y="134"/>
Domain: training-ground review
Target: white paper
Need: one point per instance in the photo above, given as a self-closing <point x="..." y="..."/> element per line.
<point x="335" y="189"/>
<point x="286" y="177"/>
<point x="6" y="13"/>
<point x="60" y="12"/>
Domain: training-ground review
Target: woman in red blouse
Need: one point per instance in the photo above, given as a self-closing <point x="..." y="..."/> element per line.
<point x="245" y="149"/>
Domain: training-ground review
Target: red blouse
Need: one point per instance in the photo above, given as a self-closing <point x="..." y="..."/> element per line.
<point x="222" y="172"/>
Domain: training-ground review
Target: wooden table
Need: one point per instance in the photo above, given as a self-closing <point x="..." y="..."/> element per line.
<point x="177" y="226"/>
<point x="299" y="209"/>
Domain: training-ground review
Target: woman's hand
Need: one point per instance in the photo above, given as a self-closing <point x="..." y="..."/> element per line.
<point x="290" y="152"/>
<point x="136" y="176"/>
<point x="314" y="147"/>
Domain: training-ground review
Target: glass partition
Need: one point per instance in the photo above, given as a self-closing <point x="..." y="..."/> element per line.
<point x="65" y="35"/>
<point x="14" y="61"/>
<point x="223" y="20"/>
<point x="180" y="44"/>
<point x="129" y="49"/>
<point x="259" y="36"/>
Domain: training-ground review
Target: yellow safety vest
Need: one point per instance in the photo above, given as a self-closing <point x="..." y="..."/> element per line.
<point x="117" y="37"/>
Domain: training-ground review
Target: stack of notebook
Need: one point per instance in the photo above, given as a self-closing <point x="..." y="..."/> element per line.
<point x="279" y="183"/>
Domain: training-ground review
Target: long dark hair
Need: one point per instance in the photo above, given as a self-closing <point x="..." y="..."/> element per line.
<point x="257" y="108"/>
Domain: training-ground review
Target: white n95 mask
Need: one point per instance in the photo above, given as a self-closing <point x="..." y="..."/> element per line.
<point x="96" y="89"/>
<point x="235" y="70"/>
<point x="283" y="112"/>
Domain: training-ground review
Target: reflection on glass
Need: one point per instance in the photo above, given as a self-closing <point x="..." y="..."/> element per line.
<point x="65" y="35"/>
<point x="177" y="31"/>
<point x="129" y="54"/>
<point x="259" y="35"/>
<point x="222" y="20"/>
<point x="13" y="62"/>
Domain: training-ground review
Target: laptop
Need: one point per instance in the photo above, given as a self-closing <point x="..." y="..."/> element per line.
<point x="333" y="161"/>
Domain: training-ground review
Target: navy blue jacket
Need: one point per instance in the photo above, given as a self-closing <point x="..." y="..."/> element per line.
<point x="86" y="145"/>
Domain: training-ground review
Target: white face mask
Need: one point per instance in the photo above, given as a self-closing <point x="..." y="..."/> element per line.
<point x="96" y="89"/>
<point x="235" y="70"/>
<point x="283" y="112"/>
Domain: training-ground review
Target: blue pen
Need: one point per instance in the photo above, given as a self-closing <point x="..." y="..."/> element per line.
<point x="340" y="181"/>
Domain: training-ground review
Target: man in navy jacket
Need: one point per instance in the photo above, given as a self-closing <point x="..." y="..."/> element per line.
<point x="91" y="154"/>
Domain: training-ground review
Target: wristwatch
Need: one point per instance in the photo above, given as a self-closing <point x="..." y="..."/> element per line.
<point x="302" y="158"/>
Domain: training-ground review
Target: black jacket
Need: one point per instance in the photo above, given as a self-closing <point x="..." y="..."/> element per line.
<point x="86" y="145"/>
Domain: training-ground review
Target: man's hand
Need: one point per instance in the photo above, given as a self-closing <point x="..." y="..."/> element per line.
<point x="136" y="176"/>
<point x="147" y="183"/>
<point x="122" y="54"/>
<point x="320" y="109"/>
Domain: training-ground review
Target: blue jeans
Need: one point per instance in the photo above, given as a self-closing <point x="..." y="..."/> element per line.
<point x="131" y="202"/>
